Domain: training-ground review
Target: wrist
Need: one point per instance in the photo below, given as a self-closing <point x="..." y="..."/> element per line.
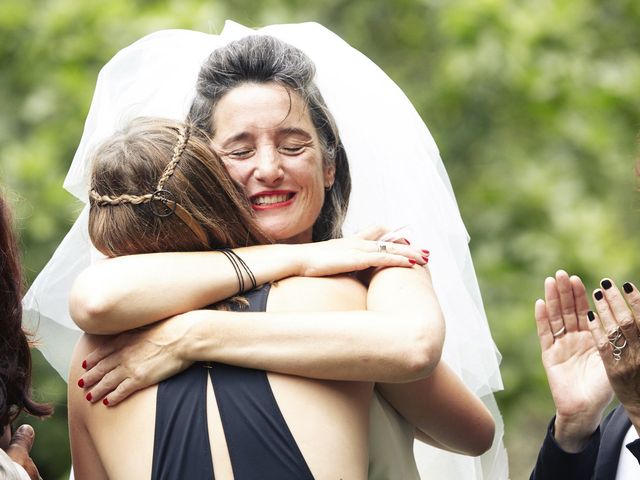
<point x="190" y="342"/>
<point x="572" y="433"/>
<point x="293" y="260"/>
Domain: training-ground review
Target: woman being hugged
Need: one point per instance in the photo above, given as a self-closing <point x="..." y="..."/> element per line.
<point x="158" y="187"/>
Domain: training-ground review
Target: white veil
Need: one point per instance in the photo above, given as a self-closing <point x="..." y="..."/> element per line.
<point x="397" y="174"/>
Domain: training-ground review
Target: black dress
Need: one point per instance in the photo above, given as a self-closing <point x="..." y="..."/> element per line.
<point x="260" y="444"/>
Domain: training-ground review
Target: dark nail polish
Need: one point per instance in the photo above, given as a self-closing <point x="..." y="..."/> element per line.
<point x="84" y="364"/>
<point x="591" y="316"/>
<point x="406" y="241"/>
<point x="606" y="284"/>
<point x="628" y="288"/>
<point x="81" y="383"/>
<point x="598" y="294"/>
<point x="89" y="397"/>
<point x="106" y="402"/>
<point x="412" y="261"/>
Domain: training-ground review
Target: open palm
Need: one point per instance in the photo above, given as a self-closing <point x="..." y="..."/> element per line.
<point x="575" y="372"/>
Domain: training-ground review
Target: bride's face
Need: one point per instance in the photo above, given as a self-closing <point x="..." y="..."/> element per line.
<point x="265" y="136"/>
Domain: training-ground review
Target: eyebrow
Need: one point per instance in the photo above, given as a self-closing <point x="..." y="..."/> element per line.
<point x="295" y="131"/>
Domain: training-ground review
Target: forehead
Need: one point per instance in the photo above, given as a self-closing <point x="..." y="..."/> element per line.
<point x="260" y="108"/>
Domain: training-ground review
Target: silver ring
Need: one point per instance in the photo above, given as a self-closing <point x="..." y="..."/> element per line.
<point x="614" y="336"/>
<point x="614" y="340"/>
<point x="618" y="349"/>
<point x="382" y="247"/>
<point x="559" y="332"/>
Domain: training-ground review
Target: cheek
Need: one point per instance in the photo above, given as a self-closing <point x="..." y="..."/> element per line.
<point x="238" y="171"/>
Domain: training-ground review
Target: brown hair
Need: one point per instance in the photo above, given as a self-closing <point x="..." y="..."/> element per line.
<point x="152" y="155"/>
<point x="15" y="357"/>
<point x="263" y="59"/>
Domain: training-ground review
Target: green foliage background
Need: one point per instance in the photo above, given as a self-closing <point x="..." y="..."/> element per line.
<point x="534" y="106"/>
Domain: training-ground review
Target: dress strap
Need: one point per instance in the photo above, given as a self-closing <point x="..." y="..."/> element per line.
<point x="181" y="446"/>
<point x="260" y="444"/>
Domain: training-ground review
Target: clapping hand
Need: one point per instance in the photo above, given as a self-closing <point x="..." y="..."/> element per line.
<point x="19" y="450"/>
<point x="575" y="372"/>
<point x="616" y="333"/>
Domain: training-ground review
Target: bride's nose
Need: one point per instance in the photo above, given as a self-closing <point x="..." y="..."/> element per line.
<point x="269" y="167"/>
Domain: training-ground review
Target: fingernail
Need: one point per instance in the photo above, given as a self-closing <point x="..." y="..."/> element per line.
<point x="590" y="316"/>
<point x="412" y="261"/>
<point x="598" y="294"/>
<point x="426" y="259"/>
<point x="26" y="430"/>
<point x="81" y="383"/>
<point x="606" y="284"/>
<point x="89" y="397"/>
<point x="628" y="288"/>
<point x="84" y="364"/>
<point x="426" y="252"/>
<point x="406" y="241"/>
<point x="106" y="401"/>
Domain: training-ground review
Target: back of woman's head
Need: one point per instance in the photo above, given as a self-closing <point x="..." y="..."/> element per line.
<point x="157" y="186"/>
<point x="15" y="357"/>
<point x="264" y="59"/>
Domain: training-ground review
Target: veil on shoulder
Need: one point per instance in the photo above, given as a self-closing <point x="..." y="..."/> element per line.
<point x="394" y="183"/>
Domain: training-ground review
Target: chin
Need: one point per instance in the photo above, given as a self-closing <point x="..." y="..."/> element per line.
<point x="286" y="235"/>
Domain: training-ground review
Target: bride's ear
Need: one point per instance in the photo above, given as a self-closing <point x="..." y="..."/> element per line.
<point x="329" y="177"/>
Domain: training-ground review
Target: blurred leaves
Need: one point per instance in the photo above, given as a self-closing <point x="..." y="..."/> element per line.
<point x="534" y="106"/>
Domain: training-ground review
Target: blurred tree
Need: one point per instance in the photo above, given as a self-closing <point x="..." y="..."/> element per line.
<point x="533" y="105"/>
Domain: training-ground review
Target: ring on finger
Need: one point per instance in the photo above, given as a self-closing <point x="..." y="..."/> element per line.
<point x="614" y="335"/>
<point x="559" y="332"/>
<point x="382" y="247"/>
<point x="618" y="349"/>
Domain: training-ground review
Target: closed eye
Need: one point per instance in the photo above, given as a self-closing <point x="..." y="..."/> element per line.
<point x="239" y="154"/>
<point x="294" y="147"/>
<point x="292" y="150"/>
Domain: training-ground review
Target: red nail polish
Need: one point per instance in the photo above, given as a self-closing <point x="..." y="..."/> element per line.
<point x="426" y="259"/>
<point x="425" y="252"/>
<point x="81" y="383"/>
<point x="84" y="364"/>
<point x="407" y="241"/>
<point x="412" y="261"/>
<point x="89" y="397"/>
<point x="106" y="401"/>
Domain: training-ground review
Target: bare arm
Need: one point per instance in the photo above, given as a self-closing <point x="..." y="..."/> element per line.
<point x="399" y="342"/>
<point x="444" y="411"/>
<point x="440" y="405"/>
<point x="122" y="293"/>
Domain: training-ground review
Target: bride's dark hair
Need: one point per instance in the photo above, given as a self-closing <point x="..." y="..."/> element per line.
<point x="262" y="59"/>
<point x="15" y="356"/>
